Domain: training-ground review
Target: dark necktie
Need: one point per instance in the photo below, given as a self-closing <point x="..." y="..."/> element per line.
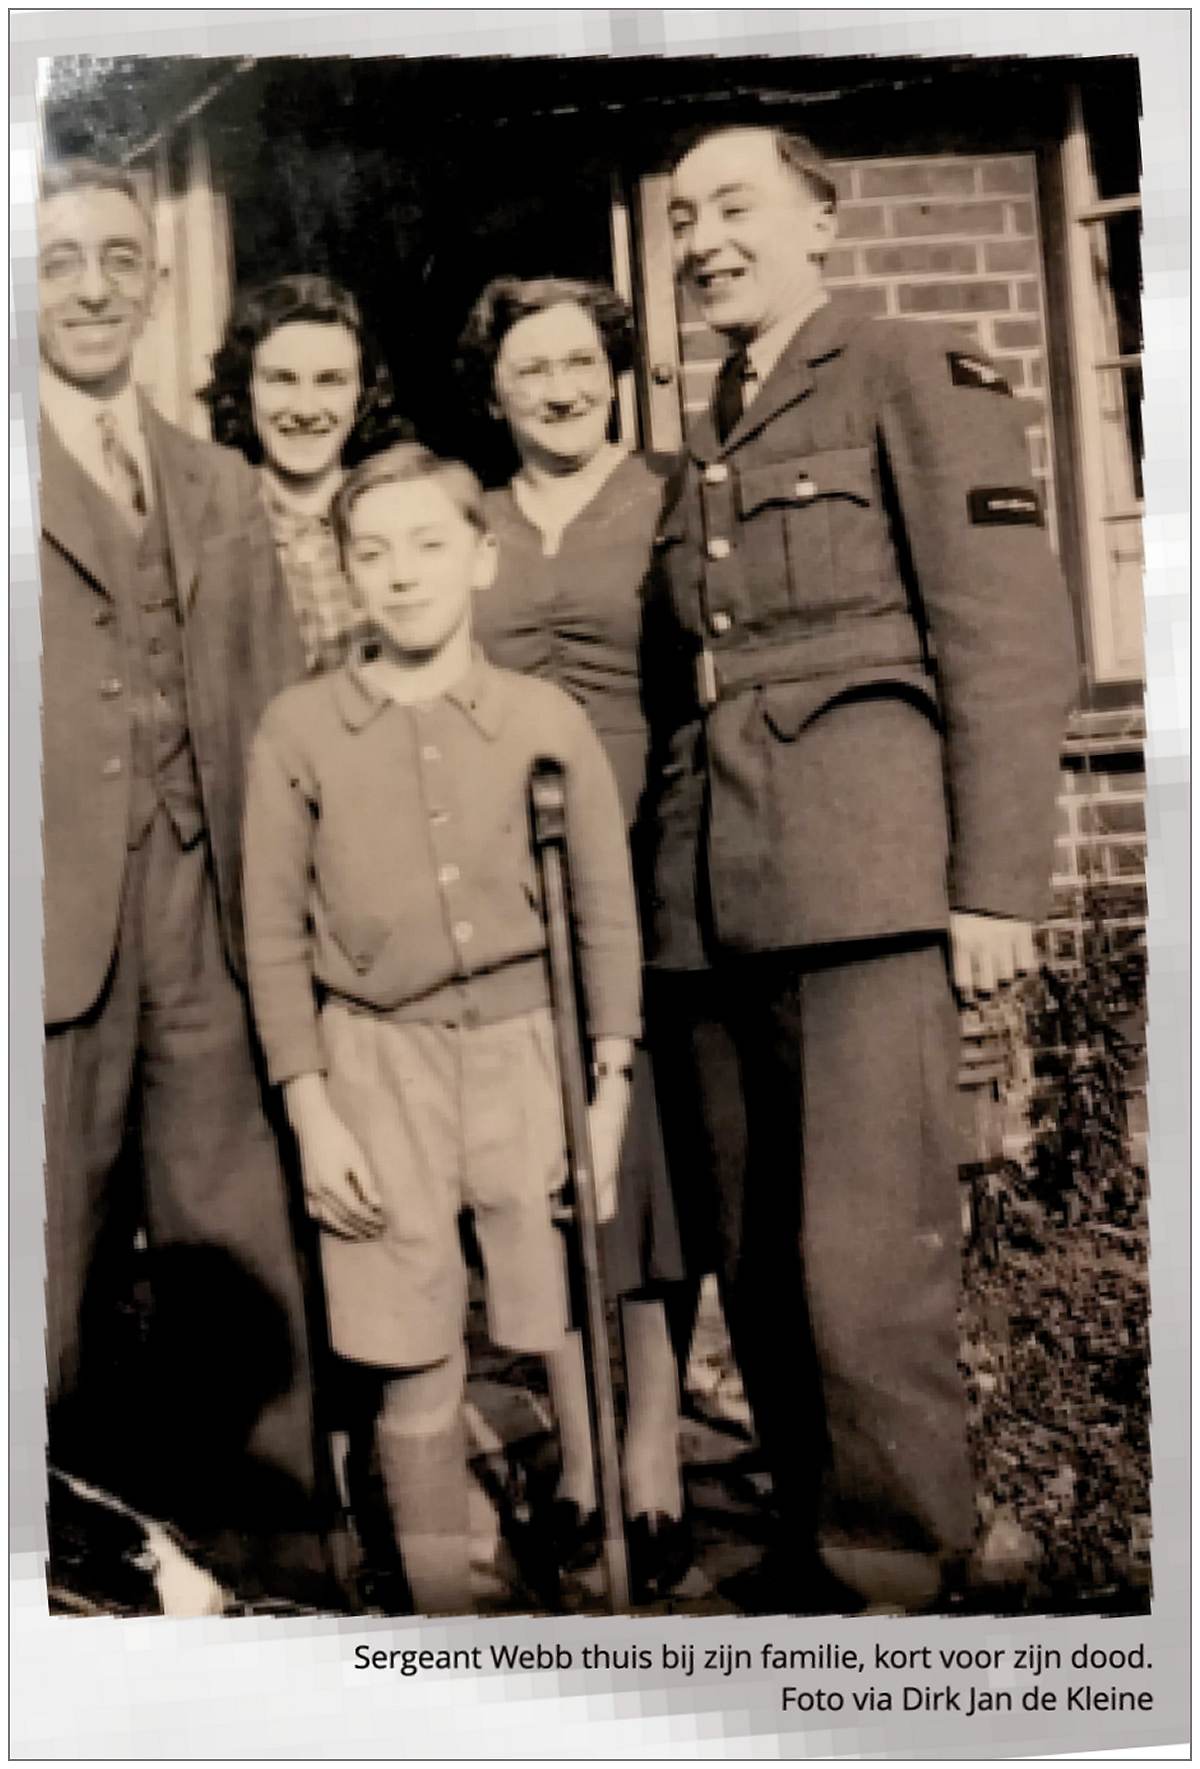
<point x="728" y="401"/>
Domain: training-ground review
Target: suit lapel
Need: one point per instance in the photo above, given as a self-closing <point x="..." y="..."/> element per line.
<point x="705" y="444"/>
<point x="183" y="481"/>
<point x="72" y="510"/>
<point x="790" y="381"/>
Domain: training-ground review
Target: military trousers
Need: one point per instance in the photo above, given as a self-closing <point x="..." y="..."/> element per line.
<point x="810" y="1114"/>
<point x="155" y="1120"/>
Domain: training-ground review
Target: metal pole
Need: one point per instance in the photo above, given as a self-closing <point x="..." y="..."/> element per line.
<point x="548" y="809"/>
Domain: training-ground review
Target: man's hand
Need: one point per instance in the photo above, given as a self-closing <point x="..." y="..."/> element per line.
<point x="339" y="1189"/>
<point x="607" y="1117"/>
<point x="988" y="951"/>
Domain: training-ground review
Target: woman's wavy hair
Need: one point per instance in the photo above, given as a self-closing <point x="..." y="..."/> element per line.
<point x="507" y="299"/>
<point x="258" y="312"/>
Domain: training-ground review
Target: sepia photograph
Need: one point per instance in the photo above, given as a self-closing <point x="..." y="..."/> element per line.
<point x="594" y="835"/>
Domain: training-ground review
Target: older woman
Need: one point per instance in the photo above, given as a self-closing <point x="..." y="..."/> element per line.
<point x="300" y="388"/>
<point x="575" y="527"/>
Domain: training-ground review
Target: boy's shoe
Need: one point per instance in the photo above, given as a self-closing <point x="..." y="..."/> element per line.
<point x="661" y="1552"/>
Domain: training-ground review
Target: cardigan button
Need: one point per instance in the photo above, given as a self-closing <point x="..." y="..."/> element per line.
<point x="718" y="547"/>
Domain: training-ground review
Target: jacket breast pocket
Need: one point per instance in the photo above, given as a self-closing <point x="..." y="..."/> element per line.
<point x="813" y="530"/>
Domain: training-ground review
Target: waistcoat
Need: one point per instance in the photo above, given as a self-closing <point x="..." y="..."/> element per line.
<point x="164" y="768"/>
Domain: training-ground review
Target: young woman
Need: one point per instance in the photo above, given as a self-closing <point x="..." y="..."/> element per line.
<point x="300" y="388"/>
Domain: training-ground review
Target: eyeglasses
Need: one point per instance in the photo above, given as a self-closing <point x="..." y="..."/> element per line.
<point x="536" y="375"/>
<point x="122" y="263"/>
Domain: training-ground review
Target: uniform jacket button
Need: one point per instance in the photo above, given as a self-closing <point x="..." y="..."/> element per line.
<point x="804" y="488"/>
<point x="463" y="931"/>
<point x="721" y="621"/>
<point x="111" y="768"/>
<point x="716" y="473"/>
<point x="110" y="687"/>
<point x="718" y="547"/>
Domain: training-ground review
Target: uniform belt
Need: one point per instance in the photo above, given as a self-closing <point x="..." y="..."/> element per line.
<point x="797" y="657"/>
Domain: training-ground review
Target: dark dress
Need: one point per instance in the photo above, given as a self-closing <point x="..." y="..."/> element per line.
<point x="574" y="618"/>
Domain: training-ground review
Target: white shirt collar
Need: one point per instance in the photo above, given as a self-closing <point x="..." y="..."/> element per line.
<point x="74" y="416"/>
<point x="769" y="346"/>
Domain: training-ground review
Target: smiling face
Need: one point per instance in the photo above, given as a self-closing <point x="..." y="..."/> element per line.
<point x="414" y="560"/>
<point x="304" y="392"/>
<point x="749" y="233"/>
<point x="554" y="387"/>
<point x="95" y="281"/>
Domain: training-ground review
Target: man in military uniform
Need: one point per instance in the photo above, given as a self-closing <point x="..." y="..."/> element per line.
<point x="859" y="661"/>
<point x="166" y="630"/>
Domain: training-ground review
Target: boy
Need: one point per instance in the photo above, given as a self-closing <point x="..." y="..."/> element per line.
<point x="397" y="966"/>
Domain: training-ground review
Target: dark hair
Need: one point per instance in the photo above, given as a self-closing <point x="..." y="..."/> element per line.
<point x="796" y="151"/>
<point x="401" y="464"/>
<point x="507" y="299"/>
<point x="262" y="310"/>
<point x="78" y="172"/>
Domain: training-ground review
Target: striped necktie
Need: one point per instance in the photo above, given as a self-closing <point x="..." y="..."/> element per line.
<point x="124" y="474"/>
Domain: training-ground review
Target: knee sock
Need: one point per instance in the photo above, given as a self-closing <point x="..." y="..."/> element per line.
<point x="651" y="1453"/>
<point x="422" y="1449"/>
<point x="569" y="1397"/>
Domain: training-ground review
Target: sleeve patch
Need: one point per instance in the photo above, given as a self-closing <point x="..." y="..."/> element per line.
<point x="973" y="371"/>
<point x="1005" y="504"/>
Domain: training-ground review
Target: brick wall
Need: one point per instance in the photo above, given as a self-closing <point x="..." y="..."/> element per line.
<point x="1101" y="836"/>
<point x="947" y="238"/>
<point x="1100" y="847"/>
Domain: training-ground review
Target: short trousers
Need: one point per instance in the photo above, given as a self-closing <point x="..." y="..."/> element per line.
<point x="450" y="1118"/>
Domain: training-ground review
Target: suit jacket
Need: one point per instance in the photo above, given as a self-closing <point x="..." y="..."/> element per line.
<point x="858" y="655"/>
<point x="240" y="648"/>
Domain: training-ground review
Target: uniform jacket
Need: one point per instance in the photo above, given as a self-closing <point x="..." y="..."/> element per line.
<point x="858" y="655"/>
<point x="240" y="648"/>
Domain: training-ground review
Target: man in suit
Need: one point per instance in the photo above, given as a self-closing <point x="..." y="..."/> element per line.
<point x="859" y="662"/>
<point x="166" y="630"/>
